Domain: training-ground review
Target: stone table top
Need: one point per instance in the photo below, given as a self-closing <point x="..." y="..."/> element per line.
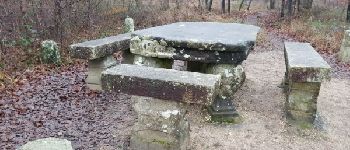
<point x="203" y="35"/>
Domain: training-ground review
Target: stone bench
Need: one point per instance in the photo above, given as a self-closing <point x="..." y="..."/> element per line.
<point x="167" y="84"/>
<point x="305" y="70"/>
<point x="99" y="53"/>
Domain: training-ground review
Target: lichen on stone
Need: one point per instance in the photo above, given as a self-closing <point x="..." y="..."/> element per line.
<point x="50" y="52"/>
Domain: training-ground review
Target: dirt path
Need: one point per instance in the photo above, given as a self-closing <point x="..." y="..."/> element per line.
<point x="261" y="103"/>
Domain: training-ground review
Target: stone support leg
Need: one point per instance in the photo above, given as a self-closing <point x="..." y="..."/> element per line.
<point x="95" y="69"/>
<point x="233" y="77"/>
<point x="161" y="125"/>
<point x="302" y="101"/>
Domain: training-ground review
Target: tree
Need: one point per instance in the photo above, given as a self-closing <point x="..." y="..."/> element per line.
<point x="223" y="6"/>
<point x="229" y="6"/>
<point x="290" y="8"/>
<point x="348" y="13"/>
<point x="208" y="4"/>
<point x="272" y="4"/>
<point x="282" y="7"/>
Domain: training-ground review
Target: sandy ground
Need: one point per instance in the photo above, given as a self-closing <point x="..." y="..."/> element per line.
<point x="261" y="104"/>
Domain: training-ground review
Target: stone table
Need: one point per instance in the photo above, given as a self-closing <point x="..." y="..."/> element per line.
<point x="216" y="48"/>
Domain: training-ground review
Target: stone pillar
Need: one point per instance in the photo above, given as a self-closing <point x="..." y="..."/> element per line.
<point x="152" y="62"/>
<point x="232" y="78"/>
<point x="302" y="101"/>
<point x="305" y="71"/>
<point x="161" y="125"/>
<point x="50" y="52"/>
<point x="95" y="69"/>
<point x="129" y="25"/>
<point x="344" y="53"/>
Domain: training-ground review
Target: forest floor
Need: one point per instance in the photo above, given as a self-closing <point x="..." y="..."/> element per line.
<point x="57" y="103"/>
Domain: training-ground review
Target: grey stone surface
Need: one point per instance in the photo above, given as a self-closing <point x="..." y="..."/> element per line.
<point x="232" y="77"/>
<point x="152" y="62"/>
<point x="208" y="42"/>
<point x="155" y="140"/>
<point x="101" y="47"/>
<point x="168" y="84"/>
<point x="129" y="25"/>
<point x="304" y="64"/>
<point x="344" y="53"/>
<point x="95" y="69"/>
<point x="161" y="124"/>
<point x="203" y="35"/>
<point x="48" y="144"/>
<point x="302" y="100"/>
<point x="160" y="115"/>
<point x="50" y="52"/>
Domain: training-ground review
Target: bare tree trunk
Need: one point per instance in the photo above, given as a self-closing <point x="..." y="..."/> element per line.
<point x="282" y="7"/>
<point x="229" y="6"/>
<point x="241" y="5"/>
<point x="290" y="8"/>
<point x="250" y="2"/>
<point x="209" y="3"/>
<point x="272" y="4"/>
<point x="223" y="6"/>
<point x="348" y="13"/>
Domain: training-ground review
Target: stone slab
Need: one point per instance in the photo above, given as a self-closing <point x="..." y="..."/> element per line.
<point x="101" y="47"/>
<point x="203" y="35"/>
<point x="155" y="140"/>
<point x="304" y="64"/>
<point x="167" y="84"/>
<point x="48" y="144"/>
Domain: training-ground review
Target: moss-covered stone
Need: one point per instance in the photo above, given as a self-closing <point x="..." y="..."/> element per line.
<point x="232" y="77"/>
<point x="344" y="53"/>
<point x="50" y="52"/>
<point x="129" y="25"/>
<point x="161" y="124"/>
<point x="160" y="115"/>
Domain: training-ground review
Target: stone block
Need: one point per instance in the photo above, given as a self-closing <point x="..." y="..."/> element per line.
<point x="95" y="69"/>
<point x="161" y="124"/>
<point x="99" y="48"/>
<point x="156" y="140"/>
<point x="160" y="115"/>
<point x="48" y="144"/>
<point x="304" y="64"/>
<point x="168" y="84"/>
<point x="303" y="97"/>
<point x="344" y="53"/>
